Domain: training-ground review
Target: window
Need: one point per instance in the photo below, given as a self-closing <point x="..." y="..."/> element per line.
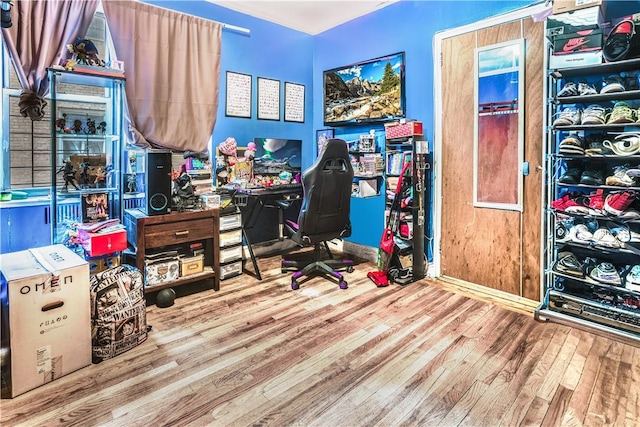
<point x="25" y="158"/>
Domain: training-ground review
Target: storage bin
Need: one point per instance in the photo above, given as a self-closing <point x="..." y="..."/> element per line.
<point x="161" y="270"/>
<point x="229" y="222"/>
<point x="230" y="238"/>
<point x="191" y="265"/>
<point x="231" y="254"/>
<point x="230" y="270"/>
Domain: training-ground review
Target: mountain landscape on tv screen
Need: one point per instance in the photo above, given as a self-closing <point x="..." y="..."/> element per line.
<point x="353" y="96"/>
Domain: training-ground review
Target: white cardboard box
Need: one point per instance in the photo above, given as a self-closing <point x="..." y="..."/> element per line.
<point x="46" y="316"/>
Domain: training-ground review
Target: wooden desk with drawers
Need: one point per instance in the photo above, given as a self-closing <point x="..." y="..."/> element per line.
<point x="146" y="233"/>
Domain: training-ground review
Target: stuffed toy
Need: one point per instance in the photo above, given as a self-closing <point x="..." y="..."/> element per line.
<point x="250" y="152"/>
<point x="85" y="52"/>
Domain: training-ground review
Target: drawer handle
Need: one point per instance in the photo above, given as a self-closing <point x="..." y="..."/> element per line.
<point x="182" y="233"/>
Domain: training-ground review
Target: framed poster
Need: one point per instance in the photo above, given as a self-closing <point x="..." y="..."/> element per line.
<point x="268" y="99"/>
<point x="293" y="102"/>
<point x="322" y="136"/>
<point x="238" y="95"/>
<point x="498" y="151"/>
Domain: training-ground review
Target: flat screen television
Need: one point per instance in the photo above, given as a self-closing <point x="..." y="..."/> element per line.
<point x="275" y="155"/>
<point x="365" y="92"/>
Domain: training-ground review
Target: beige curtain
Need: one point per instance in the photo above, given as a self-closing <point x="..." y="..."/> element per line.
<point x="41" y="29"/>
<point x="172" y="65"/>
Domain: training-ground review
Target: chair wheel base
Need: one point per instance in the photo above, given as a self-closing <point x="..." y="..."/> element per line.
<point x="295" y="285"/>
<point x="343" y="284"/>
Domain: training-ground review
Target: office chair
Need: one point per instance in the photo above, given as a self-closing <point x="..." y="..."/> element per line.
<point x="324" y="215"/>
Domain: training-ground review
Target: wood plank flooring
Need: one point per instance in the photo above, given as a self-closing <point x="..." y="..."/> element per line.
<point x="259" y="354"/>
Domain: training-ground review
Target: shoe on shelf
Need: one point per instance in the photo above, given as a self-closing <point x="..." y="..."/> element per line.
<point x="580" y="233"/>
<point x="572" y="144"/>
<point x="604" y="237"/>
<point x="616" y="203"/>
<point x="621" y="113"/>
<point x="572" y="174"/>
<point x="585" y="88"/>
<point x="624" y="234"/>
<point x="626" y="144"/>
<point x="632" y="279"/>
<point x="569" y="89"/>
<point x="562" y="230"/>
<point x="620" y="178"/>
<point x="577" y="205"/>
<point x="596" y="203"/>
<point x="592" y="175"/>
<point x="612" y="84"/>
<point x="594" y="114"/>
<point x="618" y="43"/>
<point x="629" y="214"/>
<point x="594" y="145"/>
<point x="605" y="272"/>
<point x="567" y="263"/>
<point x="569" y="116"/>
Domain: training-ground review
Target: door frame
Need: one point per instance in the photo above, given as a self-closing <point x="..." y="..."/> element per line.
<point x="526" y="12"/>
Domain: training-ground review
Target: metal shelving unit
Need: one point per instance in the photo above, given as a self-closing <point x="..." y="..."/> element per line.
<point x="579" y="299"/>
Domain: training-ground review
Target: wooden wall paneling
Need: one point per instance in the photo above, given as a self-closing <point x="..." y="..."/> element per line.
<point x="499" y="34"/>
<point x="531" y="238"/>
<point x="457" y="151"/>
<point x="478" y="245"/>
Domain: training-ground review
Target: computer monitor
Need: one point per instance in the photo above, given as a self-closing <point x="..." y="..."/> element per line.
<point x="275" y="155"/>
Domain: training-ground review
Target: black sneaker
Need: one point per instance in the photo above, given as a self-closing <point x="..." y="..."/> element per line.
<point x="618" y="43"/>
<point x="612" y="84"/>
<point x="572" y="175"/>
<point x="592" y="176"/>
<point x="569" y="89"/>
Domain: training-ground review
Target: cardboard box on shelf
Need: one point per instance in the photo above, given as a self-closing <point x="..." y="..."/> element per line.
<point x="562" y="6"/>
<point x="582" y="41"/>
<point x="46" y="318"/>
<point x="591" y="18"/>
<point x="191" y="265"/>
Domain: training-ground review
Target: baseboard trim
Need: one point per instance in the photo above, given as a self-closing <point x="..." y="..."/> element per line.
<point x="482" y="293"/>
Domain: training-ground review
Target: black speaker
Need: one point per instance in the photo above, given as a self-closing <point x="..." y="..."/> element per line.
<point x="158" y="182"/>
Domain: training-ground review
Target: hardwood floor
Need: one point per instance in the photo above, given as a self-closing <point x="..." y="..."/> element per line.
<point x="257" y="353"/>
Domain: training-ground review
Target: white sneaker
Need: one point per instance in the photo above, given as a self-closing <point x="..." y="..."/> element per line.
<point x="603" y="237"/>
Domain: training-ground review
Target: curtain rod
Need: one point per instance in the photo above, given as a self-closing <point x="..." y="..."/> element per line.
<point x="235" y="28"/>
<point x="227" y="27"/>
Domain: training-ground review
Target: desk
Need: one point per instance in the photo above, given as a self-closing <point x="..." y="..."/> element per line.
<point x="279" y="197"/>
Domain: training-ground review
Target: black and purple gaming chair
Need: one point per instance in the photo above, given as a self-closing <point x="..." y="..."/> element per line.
<point x="324" y="214"/>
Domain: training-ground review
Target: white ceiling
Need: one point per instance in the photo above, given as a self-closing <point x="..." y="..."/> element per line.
<point x="308" y="16"/>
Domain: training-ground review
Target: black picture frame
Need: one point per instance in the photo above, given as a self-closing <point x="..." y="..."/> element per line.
<point x="294" y="98"/>
<point x="238" y="95"/>
<point x="268" y="99"/>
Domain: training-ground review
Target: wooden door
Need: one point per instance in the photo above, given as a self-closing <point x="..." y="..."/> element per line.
<point x="498" y="249"/>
